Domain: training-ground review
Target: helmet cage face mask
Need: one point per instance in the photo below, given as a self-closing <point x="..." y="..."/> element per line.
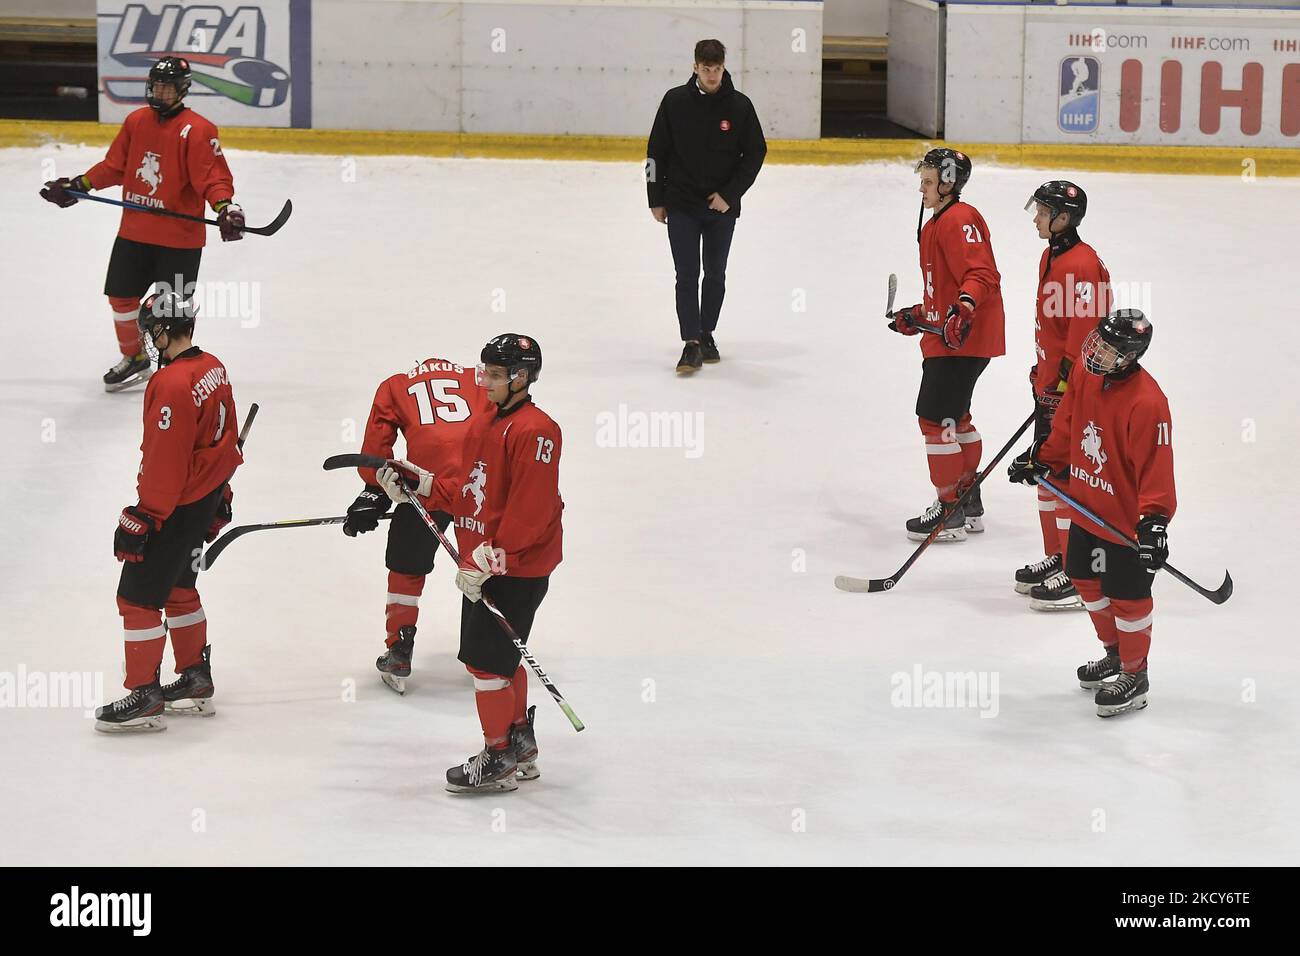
<point x="1102" y="358"/>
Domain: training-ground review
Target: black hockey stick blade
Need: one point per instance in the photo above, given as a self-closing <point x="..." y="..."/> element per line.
<point x="335" y="462"/>
<point x="248" y="423"/>
<point x="214" y="550"/>
<point x="275" y="224"/>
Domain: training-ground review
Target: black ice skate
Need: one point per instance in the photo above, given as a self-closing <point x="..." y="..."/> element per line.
<point x="1125" y="693"/>
<point x="1057" y="593"/>
<point x="132" y="370"/>
<point x="489" y="771"/>
<point x="190" y="695"/>
<point x="954" y="527"/>
<point x="692" y="359"/>
<point x="1036" y="573"/>
<point x="139" y="711"/>
<point x="524" y="742"/>
<point x="709" y="349"/>
<point x="1093" y="673"/>
<point x="974" y="508"/>
<point x="395" y="664"/>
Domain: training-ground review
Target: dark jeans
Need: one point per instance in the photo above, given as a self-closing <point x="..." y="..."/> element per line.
<point x="698" y="310"/>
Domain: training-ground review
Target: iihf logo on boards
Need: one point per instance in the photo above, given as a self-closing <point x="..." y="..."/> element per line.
<point x="225" y="50"/>
<point x="1079" y="94"/>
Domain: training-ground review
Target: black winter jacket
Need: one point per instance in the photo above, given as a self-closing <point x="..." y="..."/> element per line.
<point x="703" y="143"/>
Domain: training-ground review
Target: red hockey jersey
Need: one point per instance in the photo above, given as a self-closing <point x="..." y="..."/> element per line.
<point x="191" y="433"/>
<point x="1117" y="439"/>
<point x="508" y="491"/>
<point x="1074" y="294"/>
<point x="432" y="406"/>
<point x="174" y="164"/>
<point x="957" y="257"/>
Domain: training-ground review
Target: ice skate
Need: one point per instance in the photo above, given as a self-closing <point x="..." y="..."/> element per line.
<point x="524" y="742"/>
<point x="1037" y="573"/>
<point x="974" y="508"/>
<point x="954" y="527"/>
<point x="1057" y="593"/>
<point x="1093" y="673"/>
<point x="190" y="695"/>
<point x="394" y="664"/>
<point x="139" y="711"/>
<point x="489" y="771"/>
<point x="1127" y="692"/>
<point x="131" y="370"/>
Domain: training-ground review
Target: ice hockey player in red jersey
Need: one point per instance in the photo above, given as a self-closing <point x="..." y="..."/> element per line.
<point x="506" y="506"/>
<point x="1113" y="433"/>
<point x="189" y="453"/>
<point x="431" y="407"/>
<point x="165" y="156"/>
<point x="963" y="301"/>
<point x="1074" y="293"/>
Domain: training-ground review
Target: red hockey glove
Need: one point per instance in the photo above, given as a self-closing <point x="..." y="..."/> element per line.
<point x="956" y="327"/>
<point x="133" y="530"/>
<point x="903" y="321"/>
<point x="222" y="517"/>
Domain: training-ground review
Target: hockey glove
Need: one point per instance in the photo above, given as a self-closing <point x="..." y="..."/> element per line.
<point x="1153" y="542"/>
<point x="55" y="191"/>
<point x="222" y="517"/>
<point x="365" y="512"/>
<point x="230" y="219"/>
<point x="1026" y="469"/>
<point x="487" y="562"/>
<point x="133" y="530"/>
<point x="392" y="478"/>
<point x="956" y="327"/>
<point x="903" y="321"/>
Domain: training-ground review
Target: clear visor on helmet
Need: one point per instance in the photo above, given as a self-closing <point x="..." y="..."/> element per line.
<point x="1102" y="358"/>
<point x="490" y="376"/>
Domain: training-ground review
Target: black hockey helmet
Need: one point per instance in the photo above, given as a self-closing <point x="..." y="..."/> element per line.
<point x="953" y="165"/>
<point x="1117" y="343"/>
<point x="170" y="69"/>
<point x="167" y="313"/>
<point x="1061" y="196"/>
<point x="514" y="352"/>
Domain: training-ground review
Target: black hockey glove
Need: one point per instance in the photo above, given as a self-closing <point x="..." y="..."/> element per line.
<point x="365" y="512"/>
<point x="1153" y="542"/>
<point x="1026" y="469"/>
<point x="55" y="191"/>
<point x="133" y="530"/>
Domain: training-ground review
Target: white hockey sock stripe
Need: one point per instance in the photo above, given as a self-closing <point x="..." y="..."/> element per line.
<point x="947" y="448"/>
<point x="408" y="600"/>
<point x="1062" y="524"/>
<point x="1131" y="627"/>
<point x="1049" y="505"/>
<point x="966" y="438"/>
<point x="186" y="620"/>
<point x="145" y="633"/>
<point x="126" y="317"/>
<point x="1097" y="605"/>
<point x="492" y="683"/>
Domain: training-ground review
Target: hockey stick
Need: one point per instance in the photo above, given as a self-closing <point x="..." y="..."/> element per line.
<point x="226" y="540"/>
<point x="875" y="585"/>
<point x="373" y="461"/>
<point x="1218" y="596"/>
<point x="268" y="230"/>
<point x="248" y="423"/>
<point x="889" y="309"/>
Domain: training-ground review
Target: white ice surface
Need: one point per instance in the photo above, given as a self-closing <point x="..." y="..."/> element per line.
<point x="771" y="690"/>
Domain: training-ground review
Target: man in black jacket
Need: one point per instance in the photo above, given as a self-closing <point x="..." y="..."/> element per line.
<point x="705" y="150"/>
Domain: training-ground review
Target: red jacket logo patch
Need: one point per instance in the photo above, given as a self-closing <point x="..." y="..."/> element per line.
<point x="724" y="125"/>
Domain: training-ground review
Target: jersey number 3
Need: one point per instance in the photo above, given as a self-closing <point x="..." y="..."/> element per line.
<point x="436" y="399"/>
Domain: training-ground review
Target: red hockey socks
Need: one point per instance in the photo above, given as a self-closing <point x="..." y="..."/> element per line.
<point x="144" y="640"/>
<point x="1133" y="622"/>
<point x="126" y="313"/>
<point x="495" y="698"/>
<point x="943" y="454"/>
<point x="1052" y="543"/>
<point x="972" y="449"/>
<point x="403" y="607"/>
<point x="520" y="684"/>
<point x="188" y="626"/>
<point x="1099" y="609"/>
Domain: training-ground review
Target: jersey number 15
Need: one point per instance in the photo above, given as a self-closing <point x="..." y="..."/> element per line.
<point x="436" y="399"/>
